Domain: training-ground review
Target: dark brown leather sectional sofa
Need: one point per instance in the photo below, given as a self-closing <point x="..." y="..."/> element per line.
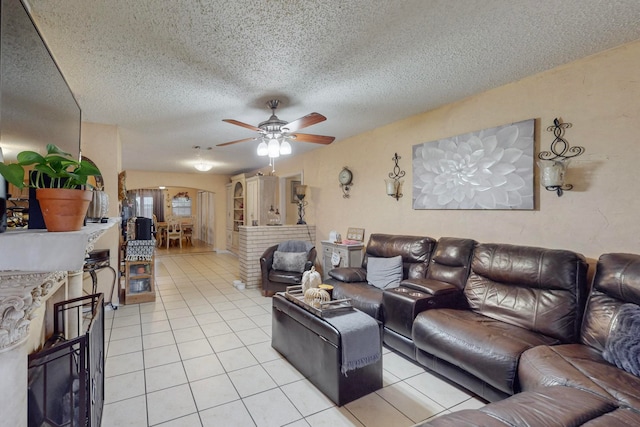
<point x="516" y="325"/>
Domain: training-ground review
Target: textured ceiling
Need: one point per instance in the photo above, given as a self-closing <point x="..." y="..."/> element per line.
<point x="168" y="72"/>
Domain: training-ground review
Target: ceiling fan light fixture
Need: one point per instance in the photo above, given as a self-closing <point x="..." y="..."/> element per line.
<point x="203" y="166"/>
<point x="285" y="148"/>
<point x="263" y="149"/>
<point x="274" y="148"/>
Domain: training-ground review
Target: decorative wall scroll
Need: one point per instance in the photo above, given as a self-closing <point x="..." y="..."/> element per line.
<point x="488" y="169"/>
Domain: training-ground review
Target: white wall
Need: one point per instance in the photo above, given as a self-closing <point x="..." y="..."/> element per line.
<point x="101" y="143"/>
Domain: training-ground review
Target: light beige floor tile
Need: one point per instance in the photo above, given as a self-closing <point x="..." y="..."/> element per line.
<point x="235" y="359"/>
<point x="155" y="327"/>
<point x="174" y="305"/>
<point x="164" y="376"/>
<point x="251" y="380"/>
<point x="213" y="391"/>
<point x="209" y="292"/>
<point x="218" y="299"/>
<point x="225" y="342"/>
<point x="253" y="336"/>
<point x="438" y="390"/>
<point x="410" y="401"/>
<point x="205" y="308"/>
<point x="306" y="397"/>
<point x="197" y="348"/>
<point x="232" y="314"/>
<point x="388" y="378"/>
<point x="188" y="334"/>
<point x="373" y="411"/>
<point x="183" y="322"/>
<point x="161" y="355"/>
<point x="153" y="316"/>
<point x="471" y="403"/>
<point x="125" y="332"/>
<point x="282" y="372"/>
<point x="233" y="414"/>
<point x="166" y="299"/>
<point x="213" y="329"/>
<point x="243" y="302"/>
<point x="202" y="367"/>
<point x="192" y="420"/>
<point x="179" y="312"/>
<point x="209" y="317"/>
<point x="232" y="293"/>
<point x="124" y="386"/>
<point x="241" y="324"/>
<point x="254" y="310"/>
<point x="150" y="307"/>
<point x="224" y="306"/>
<point x="169" y="404"/>
<point x="271" y="409"/>
<point x="400" y="366"/>
<point x="123" y="346"/>
<point x="123" y="364"/>
<point x="263" y="352"/>
<point x="125" y="413"/>
<point x="122" y="321"/>
<point x="334" y="417"/>
<point x="262" y="320"/>
<point x="126" y="310"/>
<point x="158" y="340"/>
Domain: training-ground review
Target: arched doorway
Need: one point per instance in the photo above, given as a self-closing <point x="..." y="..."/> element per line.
<point x="189" y="204"/>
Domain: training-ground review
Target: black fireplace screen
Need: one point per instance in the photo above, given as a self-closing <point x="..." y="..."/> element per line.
<point x="66" y="379"/>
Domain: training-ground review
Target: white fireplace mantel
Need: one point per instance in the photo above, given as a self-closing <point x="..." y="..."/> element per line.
<point x="31" y="261"/>
<point x="40" y="250"/>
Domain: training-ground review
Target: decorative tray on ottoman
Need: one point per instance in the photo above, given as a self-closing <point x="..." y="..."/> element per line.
<point x="296" y="296"/>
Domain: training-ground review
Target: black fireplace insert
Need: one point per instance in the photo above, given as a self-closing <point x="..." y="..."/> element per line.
<point x="66" y="378"/>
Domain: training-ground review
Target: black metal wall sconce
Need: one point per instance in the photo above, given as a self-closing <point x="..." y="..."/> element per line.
<point x="301" y="193"/>
<point x="394" y="182"/>
<point x="553" y="164"/>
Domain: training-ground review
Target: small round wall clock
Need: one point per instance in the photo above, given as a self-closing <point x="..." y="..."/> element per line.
<point x="345" y="177"/>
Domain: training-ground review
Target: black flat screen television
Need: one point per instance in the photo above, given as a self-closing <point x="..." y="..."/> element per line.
<point x="36" y="105"/>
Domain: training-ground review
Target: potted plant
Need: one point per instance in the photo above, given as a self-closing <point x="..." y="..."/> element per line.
<point x="60" y="182"/>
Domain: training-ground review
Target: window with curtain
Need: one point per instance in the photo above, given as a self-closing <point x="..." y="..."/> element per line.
<point x="147" y="202"/>
<point x="181" y="206"/>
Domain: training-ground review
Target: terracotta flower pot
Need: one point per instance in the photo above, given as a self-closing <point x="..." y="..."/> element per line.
<point x="63" y="209"/>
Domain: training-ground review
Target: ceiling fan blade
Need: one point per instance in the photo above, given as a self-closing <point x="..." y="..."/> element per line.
<point x="244" y="125"/>
<point x="303" y="122"/>
<point x="235" y="142"/>
<point x="316" y="139"/>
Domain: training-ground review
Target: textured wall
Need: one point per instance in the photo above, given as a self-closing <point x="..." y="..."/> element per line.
<point x="599" y="95"/>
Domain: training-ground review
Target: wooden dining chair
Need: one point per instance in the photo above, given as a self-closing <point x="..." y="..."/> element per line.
<point x="187" y="233"/>
<point x="174" y="232"/>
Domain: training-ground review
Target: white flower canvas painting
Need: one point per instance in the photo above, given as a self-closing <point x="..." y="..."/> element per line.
<point x="488" y="169"/>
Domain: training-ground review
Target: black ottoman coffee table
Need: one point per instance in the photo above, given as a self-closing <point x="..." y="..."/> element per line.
<point x="313" y="347"/>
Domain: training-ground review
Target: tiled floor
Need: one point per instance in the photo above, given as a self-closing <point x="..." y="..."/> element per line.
<point x="201" y="356"/>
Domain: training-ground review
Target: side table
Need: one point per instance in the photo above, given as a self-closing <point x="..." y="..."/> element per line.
<point x="349" y="255"/>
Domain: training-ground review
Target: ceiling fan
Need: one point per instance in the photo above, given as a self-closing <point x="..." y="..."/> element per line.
<point x="275" y="134"/>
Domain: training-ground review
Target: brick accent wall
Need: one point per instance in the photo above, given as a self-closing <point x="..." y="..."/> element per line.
<point x="255" y="240"/>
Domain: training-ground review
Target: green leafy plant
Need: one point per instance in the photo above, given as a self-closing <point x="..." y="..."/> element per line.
<point x="62" y="169"/>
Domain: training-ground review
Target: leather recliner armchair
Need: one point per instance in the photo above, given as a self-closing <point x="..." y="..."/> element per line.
<point x="278" y="280"/>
